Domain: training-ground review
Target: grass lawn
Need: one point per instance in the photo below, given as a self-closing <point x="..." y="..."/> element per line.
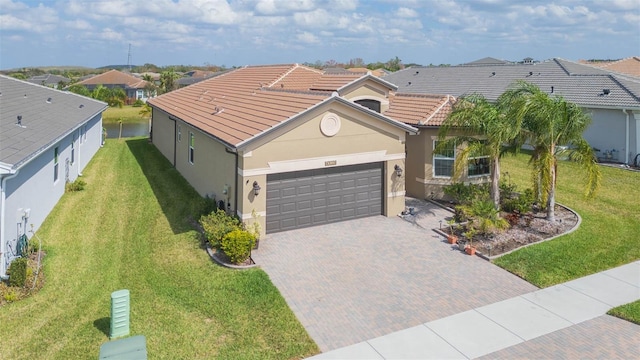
<point x="607" y="238"/>
<point x="127" y="113"/>
<point x="630" y="312"/>
<point x="129" y="230"/>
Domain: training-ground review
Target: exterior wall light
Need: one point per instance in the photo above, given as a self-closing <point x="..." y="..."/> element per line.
<point x="256" y="188"/>
<point x="398" y="170"/>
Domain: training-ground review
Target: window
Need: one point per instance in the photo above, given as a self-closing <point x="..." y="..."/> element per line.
<point x="139" y="94"/>
<point x="179" y="133"/>
<point x="479" y="164"/>
<point x="371" y="104"/>
<point x="443" y="160"/>
<point x="55" y="164"/>
<point x="191" y="147"/>
<point x="73" y="149"/>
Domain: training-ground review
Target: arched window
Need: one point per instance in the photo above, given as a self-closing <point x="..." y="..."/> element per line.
<point x="371" y="104"/>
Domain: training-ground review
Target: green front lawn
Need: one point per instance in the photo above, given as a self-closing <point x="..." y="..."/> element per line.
<point x="128" y="114"/>
<point x="629" y="312"/>
<point x="129" y="229"/>
<point x="607" y="238"/>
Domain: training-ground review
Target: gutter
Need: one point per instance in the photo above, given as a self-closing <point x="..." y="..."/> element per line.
<point x="3" y="186"/>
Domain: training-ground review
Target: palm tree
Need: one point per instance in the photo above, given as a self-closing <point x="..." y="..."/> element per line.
<point x="553" y="126"/>
<point x="484" y="128"/>
<point x="168" y="80"/>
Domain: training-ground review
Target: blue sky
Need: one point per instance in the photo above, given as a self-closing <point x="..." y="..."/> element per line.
<point x="250" y="32"/>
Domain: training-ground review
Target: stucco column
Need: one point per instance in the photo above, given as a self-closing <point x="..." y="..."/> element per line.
<point x="251" y="207"/>
<point x="395" y="189"/>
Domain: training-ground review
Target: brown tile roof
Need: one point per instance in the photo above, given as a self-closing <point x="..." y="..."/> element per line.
<point x="238" y="105"/>
<point x="363" y="70"/>
<point x="419" y="109"/>
<point x="628" y="66"/>
<point x="298" y="78"/>
<point x="333" y="81"/>
<point x="115" y="77"/>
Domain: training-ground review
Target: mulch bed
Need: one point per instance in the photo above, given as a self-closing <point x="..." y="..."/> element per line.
<point x="531" y="228"/>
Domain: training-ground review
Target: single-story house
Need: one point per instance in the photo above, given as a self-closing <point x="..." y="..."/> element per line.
<point x="287" y="145"/>
<point x="47" y="137"/>
<point x="50" y="80"/>
<point x="133" y="86"/>
<point x="612" y="99"/>
<point x="626" y="66"/>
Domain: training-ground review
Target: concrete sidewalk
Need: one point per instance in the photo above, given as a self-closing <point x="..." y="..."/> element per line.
<point x="484" y="330"/>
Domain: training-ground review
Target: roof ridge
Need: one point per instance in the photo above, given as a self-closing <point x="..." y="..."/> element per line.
<point x="437" y="110"/>
<point x="435" y="96"/>
<point x="613" y="77"/>
<point x="295" y="66"/>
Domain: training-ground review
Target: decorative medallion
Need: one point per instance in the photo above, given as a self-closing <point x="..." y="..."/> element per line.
<point x="330" y="124"/>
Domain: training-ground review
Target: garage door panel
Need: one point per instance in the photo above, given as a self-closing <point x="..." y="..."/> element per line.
<point x="320" y="196"/>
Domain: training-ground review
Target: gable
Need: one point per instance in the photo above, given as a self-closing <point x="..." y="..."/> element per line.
<point x="334" y="130"/>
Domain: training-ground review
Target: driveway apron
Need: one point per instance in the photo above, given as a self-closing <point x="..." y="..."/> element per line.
<point x="356" y="280"/>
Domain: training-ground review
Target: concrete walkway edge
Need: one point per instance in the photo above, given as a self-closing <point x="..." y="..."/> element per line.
<point x="498" y="326"/>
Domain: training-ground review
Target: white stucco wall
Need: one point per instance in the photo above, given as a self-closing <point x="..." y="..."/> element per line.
<point x="608" y="132"/>
<point x="34" y="187"/>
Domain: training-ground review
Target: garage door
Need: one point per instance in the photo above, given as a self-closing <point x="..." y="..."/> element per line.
<point x="320" y="196"/>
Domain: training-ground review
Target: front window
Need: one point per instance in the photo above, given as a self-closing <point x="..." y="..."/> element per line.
<point x="55" y="164"/>
<point x="139" y="94"/>
<point x="443" y="160"/>
<point x="191" y="147"/>
<point x="479" y="164"/>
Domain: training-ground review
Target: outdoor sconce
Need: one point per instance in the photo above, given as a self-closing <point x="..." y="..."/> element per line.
<point x="398" y="170"/>
<point x="256" y="188"/>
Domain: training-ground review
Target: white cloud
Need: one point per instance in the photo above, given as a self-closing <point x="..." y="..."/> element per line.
<point x="307" y="37"/>
<point x="404" y="12"/>
<point x="273" y="7"/>
<point x="78" y="24"/>
<point x="110" y="34"/>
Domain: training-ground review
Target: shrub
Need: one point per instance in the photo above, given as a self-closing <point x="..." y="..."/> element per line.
<point x="18" y="271"/>
<point x="208" y="205"/>
<point x="521" y="203"/>
<point x="138" y="103"/>
<point x="77" y="185"/>
<point x="485" y="217"/>
<point x="10" y="296"/>
<point x="218" y="224"/>
<point x="237" y="245"/>
<point x="466" y="194"/>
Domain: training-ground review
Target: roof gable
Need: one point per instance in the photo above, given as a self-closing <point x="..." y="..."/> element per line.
<point x="46" y="116"/>
<point x="419" y="109"/>
<point x="115" y="77"/>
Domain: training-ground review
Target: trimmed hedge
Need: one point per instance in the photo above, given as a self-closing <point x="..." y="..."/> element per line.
<point x="18" y="272"/>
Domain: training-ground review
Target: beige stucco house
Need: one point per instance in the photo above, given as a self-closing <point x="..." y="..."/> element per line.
<point x="287" y="145"/>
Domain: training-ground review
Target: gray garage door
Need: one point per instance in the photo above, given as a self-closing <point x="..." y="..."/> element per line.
<point x="320" y="196"/>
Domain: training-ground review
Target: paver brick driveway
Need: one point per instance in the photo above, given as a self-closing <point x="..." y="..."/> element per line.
<point x="355" y="280"/>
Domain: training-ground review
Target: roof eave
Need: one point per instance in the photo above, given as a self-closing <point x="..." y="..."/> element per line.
<point x="364" y="78"/>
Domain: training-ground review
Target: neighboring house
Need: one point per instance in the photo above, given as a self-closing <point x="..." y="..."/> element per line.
<point x="47" y="137"/>
<point x="196" y="76"/>
<point x="627" y="66"/>
<point x="49" y="80"/>
<point x="612" y="100"/>
<point x="133" y="86"/>
<point x="293" y="145"/>
<point x="363" y="71"/>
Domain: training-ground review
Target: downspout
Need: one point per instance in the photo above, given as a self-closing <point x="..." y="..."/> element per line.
<point x="175" y="140"/>
<point x="3" y="271"/>
<point x="626" y="138"/>
<point x="235" y="152"/>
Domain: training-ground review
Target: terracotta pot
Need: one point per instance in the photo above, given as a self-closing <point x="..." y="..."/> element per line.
<point x="452" y="239"/>
<point x="471" y="250"/>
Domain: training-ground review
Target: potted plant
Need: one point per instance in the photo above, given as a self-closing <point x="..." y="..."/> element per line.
<point x="451" y="237"/>
<point x="469" y="248"/>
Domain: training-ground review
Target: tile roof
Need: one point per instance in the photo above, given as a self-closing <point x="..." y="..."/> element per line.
<point x="48" y="79"/>
<point x="239" y="105"/>
<point x="627" y="66"/>
<point x="578" y="83"/>
<point x="44" y="121"/>
<point x="115" y="77"/>
<point x="488" y="61"/>
<point x="419" y="109"/>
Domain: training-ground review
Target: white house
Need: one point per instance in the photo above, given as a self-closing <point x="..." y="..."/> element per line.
<point x="47" y="137"/>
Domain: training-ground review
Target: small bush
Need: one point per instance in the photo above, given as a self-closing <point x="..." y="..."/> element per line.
<point x="208" y="205"/>
<point x="237" y="245"/>
<point x="138" y="103"/>
<point x="18" y="272"/>
<point x="521" y="203"/>
<point x="465" y="194"/>
<point x="10" y="296"/>
<point x="218" y="224"/>
<point x="77" y="185"/>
